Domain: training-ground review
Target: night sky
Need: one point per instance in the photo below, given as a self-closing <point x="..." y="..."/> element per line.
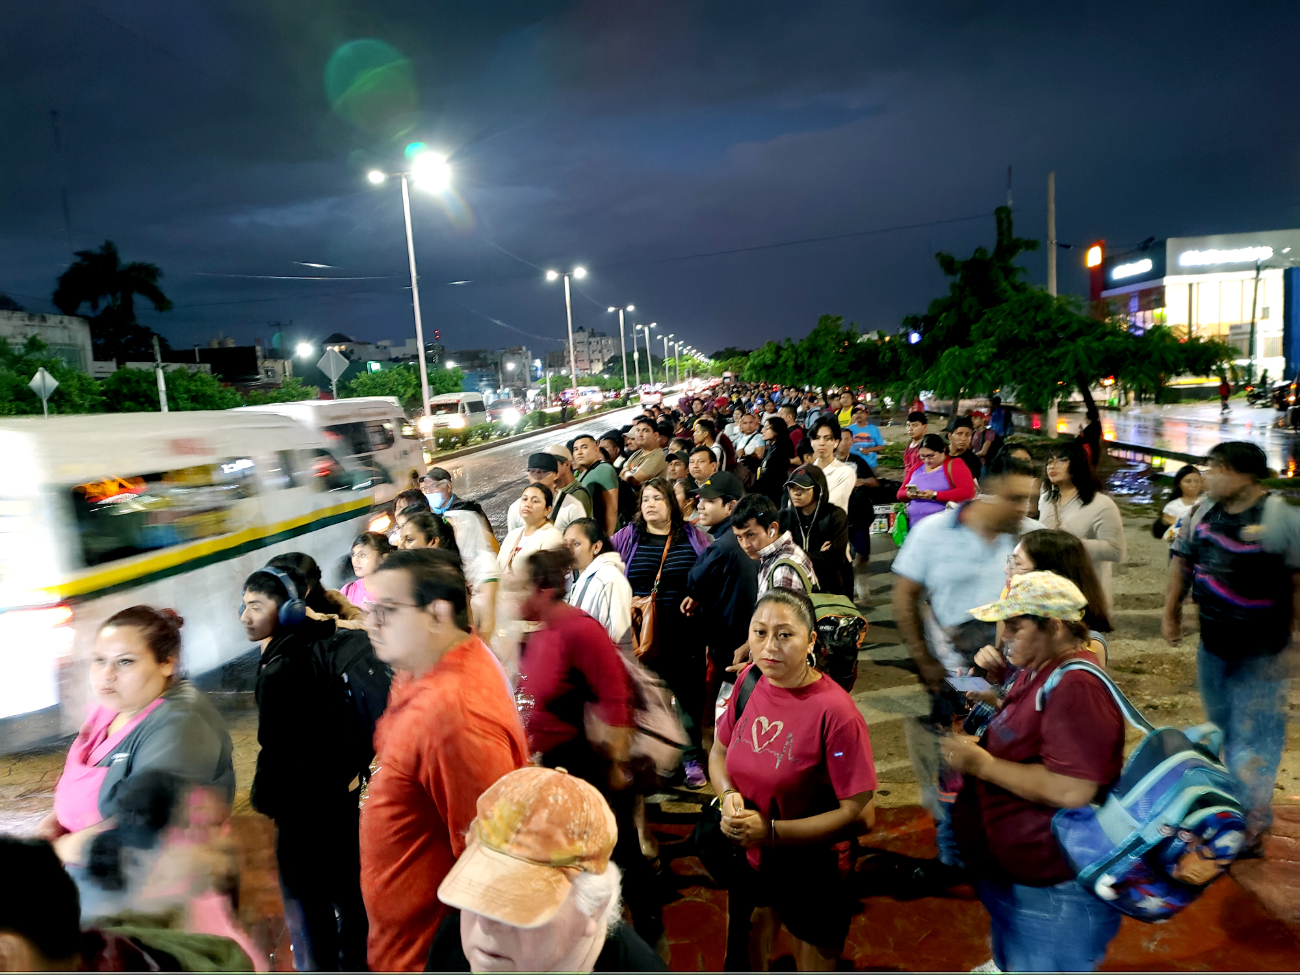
<point x="628" y="137"/>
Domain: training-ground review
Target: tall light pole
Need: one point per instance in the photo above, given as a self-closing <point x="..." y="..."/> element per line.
<point x="649" y="358"/>
<point x="677" y="359"/>
<point x="579" y="273"/>
<point x="431" y="172"/>
<point x="622" y="342"/>
<point x="666" y="338"/>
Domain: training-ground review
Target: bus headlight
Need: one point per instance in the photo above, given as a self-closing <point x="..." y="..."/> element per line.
<point x="510" y="416"/>
<point x="425" y="425"/>
<point x="457" y="422"/>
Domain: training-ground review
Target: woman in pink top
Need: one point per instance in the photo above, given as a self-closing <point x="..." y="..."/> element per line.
<point x="935" y="482"/>
<point x="368" y="550"/>
<point x="147" y="719"/>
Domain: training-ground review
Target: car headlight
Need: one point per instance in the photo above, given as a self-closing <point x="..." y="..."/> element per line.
<point x="510" y="416"/>
<point x="456" y="422"/>
<point x="425" y="425"/>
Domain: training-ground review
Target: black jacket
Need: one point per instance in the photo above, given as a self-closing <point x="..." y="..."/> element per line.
<point x="724" y="581"/>
<point x="828" y="523"/>
<point x="303" y="765"/>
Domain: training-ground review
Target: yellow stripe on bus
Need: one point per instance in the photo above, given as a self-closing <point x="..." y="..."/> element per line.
<point x="118" y="575"/>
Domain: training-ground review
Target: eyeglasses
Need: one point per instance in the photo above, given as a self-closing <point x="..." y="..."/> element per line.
<point x="380" y="612"/>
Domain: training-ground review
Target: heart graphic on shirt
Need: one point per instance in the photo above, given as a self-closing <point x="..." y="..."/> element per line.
<point x="768" y="734"/>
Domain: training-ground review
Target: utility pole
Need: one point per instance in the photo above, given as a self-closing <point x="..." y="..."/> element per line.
<point x="1051" y="234"/>
<point x="158" y="371"/>
<point x="1008" y="185"/>
<point x="1250" y="350"/>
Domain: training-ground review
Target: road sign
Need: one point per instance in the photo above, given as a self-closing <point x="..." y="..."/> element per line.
<point x="43" y="384"/>
<point x="333" y="365"/>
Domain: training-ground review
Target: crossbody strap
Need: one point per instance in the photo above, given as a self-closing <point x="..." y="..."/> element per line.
<point x="803" y="576"/>
<point x="662" y="559"/>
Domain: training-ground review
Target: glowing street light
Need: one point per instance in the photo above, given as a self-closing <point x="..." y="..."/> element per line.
<point x="429" y="171"/>
<point x="649" y="362"/>
<point x="622" y="341"/>
<point x="303" y="350"/>
<point x="579" y="273"/>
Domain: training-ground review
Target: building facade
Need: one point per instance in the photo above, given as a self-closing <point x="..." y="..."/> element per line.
<point x="1220" y="287"/>
<point x="68" y="336"/>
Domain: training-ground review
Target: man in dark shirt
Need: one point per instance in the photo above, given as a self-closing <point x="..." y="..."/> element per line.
<point x="963" y="429"/>
<point x="722" y="586"/>
<point x="535" y="887"/>
<point x="1240" y="554"/>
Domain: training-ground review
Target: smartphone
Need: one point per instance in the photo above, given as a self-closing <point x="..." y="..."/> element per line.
<point x="965" y="684"/>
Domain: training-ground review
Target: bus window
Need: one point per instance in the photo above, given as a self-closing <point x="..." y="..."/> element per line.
<point x="118" y="517"/>
<point x="381" y="434"/>
<point x="349" y="439"/>
<point x="321" y="471"/>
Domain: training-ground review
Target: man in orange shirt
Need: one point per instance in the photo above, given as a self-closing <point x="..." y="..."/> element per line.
<point x="450" y="731"/>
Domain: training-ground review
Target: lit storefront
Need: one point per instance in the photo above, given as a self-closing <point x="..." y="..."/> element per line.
<point x="1213" y="288"/>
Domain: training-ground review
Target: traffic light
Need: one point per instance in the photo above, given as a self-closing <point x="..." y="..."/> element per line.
<point x="435" y="335"/>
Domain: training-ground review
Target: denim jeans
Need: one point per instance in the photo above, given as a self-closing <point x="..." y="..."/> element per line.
<point x="1246" y="698"/>
<point x="1047" y="929"/>
<point x="320" y="882"/>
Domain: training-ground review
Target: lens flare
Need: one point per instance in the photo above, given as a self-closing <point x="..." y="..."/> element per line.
<point x="372" y="85"/>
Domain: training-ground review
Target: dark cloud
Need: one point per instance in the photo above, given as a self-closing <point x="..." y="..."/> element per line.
<point x="622" y="135"/>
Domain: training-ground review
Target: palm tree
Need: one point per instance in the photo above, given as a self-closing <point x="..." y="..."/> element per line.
<point x="100" y="276"/>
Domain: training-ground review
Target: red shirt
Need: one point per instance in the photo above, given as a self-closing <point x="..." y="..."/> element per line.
<point x="797" y="751"/>
<point x="1079" y="733"/>
<point x="911" y="460"/>
<point x="444" y="738"/>
<point x="567" y="664"/>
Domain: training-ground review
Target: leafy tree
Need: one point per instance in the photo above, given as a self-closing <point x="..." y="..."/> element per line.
<point x="403" y="382"/>
<point x="289" y="391"/>
<point x="100" y="276"/>
<point x="730" y="352"/>
<point x="77" y="392"/>
<point x="136" y="391"/>
<point x="8" y="304"/>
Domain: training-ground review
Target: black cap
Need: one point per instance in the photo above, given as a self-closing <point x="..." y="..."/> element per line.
<point x="543" y="462"/>
<point x="801" y="478"/>
<point x="436" y="474"/>
<point x="679" y="455"/>
<point x="723" y="485"/>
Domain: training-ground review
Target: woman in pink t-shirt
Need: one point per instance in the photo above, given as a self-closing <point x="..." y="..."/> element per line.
<point x="368" y="550"/>
<point x="795" y="772"/>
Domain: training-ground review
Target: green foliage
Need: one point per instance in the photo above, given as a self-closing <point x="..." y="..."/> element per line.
<point x="77" y="392"/>
<point x="100" y="276"/>
<point x="136" y="391"/>
<point x="403" y="382"/>
<point x="289" y="391"/>
<point x="730" y="352"/>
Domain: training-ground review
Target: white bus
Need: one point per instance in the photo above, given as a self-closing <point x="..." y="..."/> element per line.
<point x="368" y="429"/>
<point x="98" y="513"/>
<point x="456" y="411"/>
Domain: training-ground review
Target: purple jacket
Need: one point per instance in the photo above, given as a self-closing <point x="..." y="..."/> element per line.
<point x="627" y="539"/>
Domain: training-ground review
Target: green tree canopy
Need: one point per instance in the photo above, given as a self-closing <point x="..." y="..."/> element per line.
<point x="136" y="391"/>
<point x="77" y="392"/>
<point x="99" y="276"/>
<point x="289" y="391"/>
<point x="403" y="381"/>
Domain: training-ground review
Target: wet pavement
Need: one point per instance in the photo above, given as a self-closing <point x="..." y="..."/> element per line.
<point x="1193" y="428"/>
<point x="495" y="477"/>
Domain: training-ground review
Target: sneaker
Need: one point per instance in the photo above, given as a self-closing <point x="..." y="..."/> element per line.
<point x="988" y="966"/>
<point x="695" y="776"/>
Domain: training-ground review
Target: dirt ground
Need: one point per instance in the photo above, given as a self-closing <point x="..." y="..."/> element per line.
<point x="1158" y="678"/>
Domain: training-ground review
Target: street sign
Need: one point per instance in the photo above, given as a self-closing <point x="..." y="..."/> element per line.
<point x="333" y="365"/>
<point x="43" y="384"/>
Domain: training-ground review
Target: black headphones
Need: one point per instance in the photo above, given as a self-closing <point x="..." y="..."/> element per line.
<point x="293" y="610"/>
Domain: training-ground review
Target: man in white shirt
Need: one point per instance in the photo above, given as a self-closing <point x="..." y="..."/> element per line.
<point x="750" y="442"/>
<point x="840" y="477"/>
<point x="543" y="468"/>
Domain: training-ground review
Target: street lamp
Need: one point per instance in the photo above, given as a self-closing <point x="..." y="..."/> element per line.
<point x="649" y="359"/>
<point x="579" y="273"/>
<point x="431" y="172"/>
<point x="303" y="350"/>
<point x="622" y="342"/>
<point x="666" y="338"/>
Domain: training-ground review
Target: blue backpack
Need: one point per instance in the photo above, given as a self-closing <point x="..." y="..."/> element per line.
<point x="1168" y="828"/>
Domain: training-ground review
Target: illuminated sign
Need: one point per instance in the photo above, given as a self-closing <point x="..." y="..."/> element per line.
<point x="111" y="489"/>
<point x="235" y="466"/>
<point x="1236" y="255"/>
<point x="1128" y="270"/>
<point x="1094" y="256"/>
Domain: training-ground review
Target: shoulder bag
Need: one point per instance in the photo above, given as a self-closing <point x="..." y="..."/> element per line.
<point x="644" y="638"/>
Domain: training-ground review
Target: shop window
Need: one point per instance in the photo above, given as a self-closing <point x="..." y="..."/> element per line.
<point x="1270" y="346"/>
<point x="118" y="517"/>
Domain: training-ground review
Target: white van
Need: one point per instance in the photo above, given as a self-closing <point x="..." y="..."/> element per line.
<point x="457" y="410"/>
<point x="367" y="428"/>
<point x="99" y="513"/>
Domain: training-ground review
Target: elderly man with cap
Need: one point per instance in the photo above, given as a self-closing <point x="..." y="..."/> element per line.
<point x="535" y="888"/>
<point x="723" y="582"/>
<point x="544" y="468"/>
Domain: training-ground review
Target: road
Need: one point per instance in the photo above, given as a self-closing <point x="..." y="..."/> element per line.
<point x="1194" y="428"/>
<point x="495" y="477"/>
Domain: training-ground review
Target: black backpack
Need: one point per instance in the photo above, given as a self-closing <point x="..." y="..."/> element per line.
<point x="626" y="502"/>
<point x="362" y="682"/>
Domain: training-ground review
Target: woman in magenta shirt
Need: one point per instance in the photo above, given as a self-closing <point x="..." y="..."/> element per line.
<point x="795" y="773"/>
<point x="368" y="550"/>
<point x="148" y="719"/>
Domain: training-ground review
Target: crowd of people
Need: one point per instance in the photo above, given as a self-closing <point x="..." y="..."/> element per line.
<point x="456" y="747"/>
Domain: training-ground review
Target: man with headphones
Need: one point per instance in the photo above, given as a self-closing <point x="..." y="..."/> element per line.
<point x="306" y="778"/>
